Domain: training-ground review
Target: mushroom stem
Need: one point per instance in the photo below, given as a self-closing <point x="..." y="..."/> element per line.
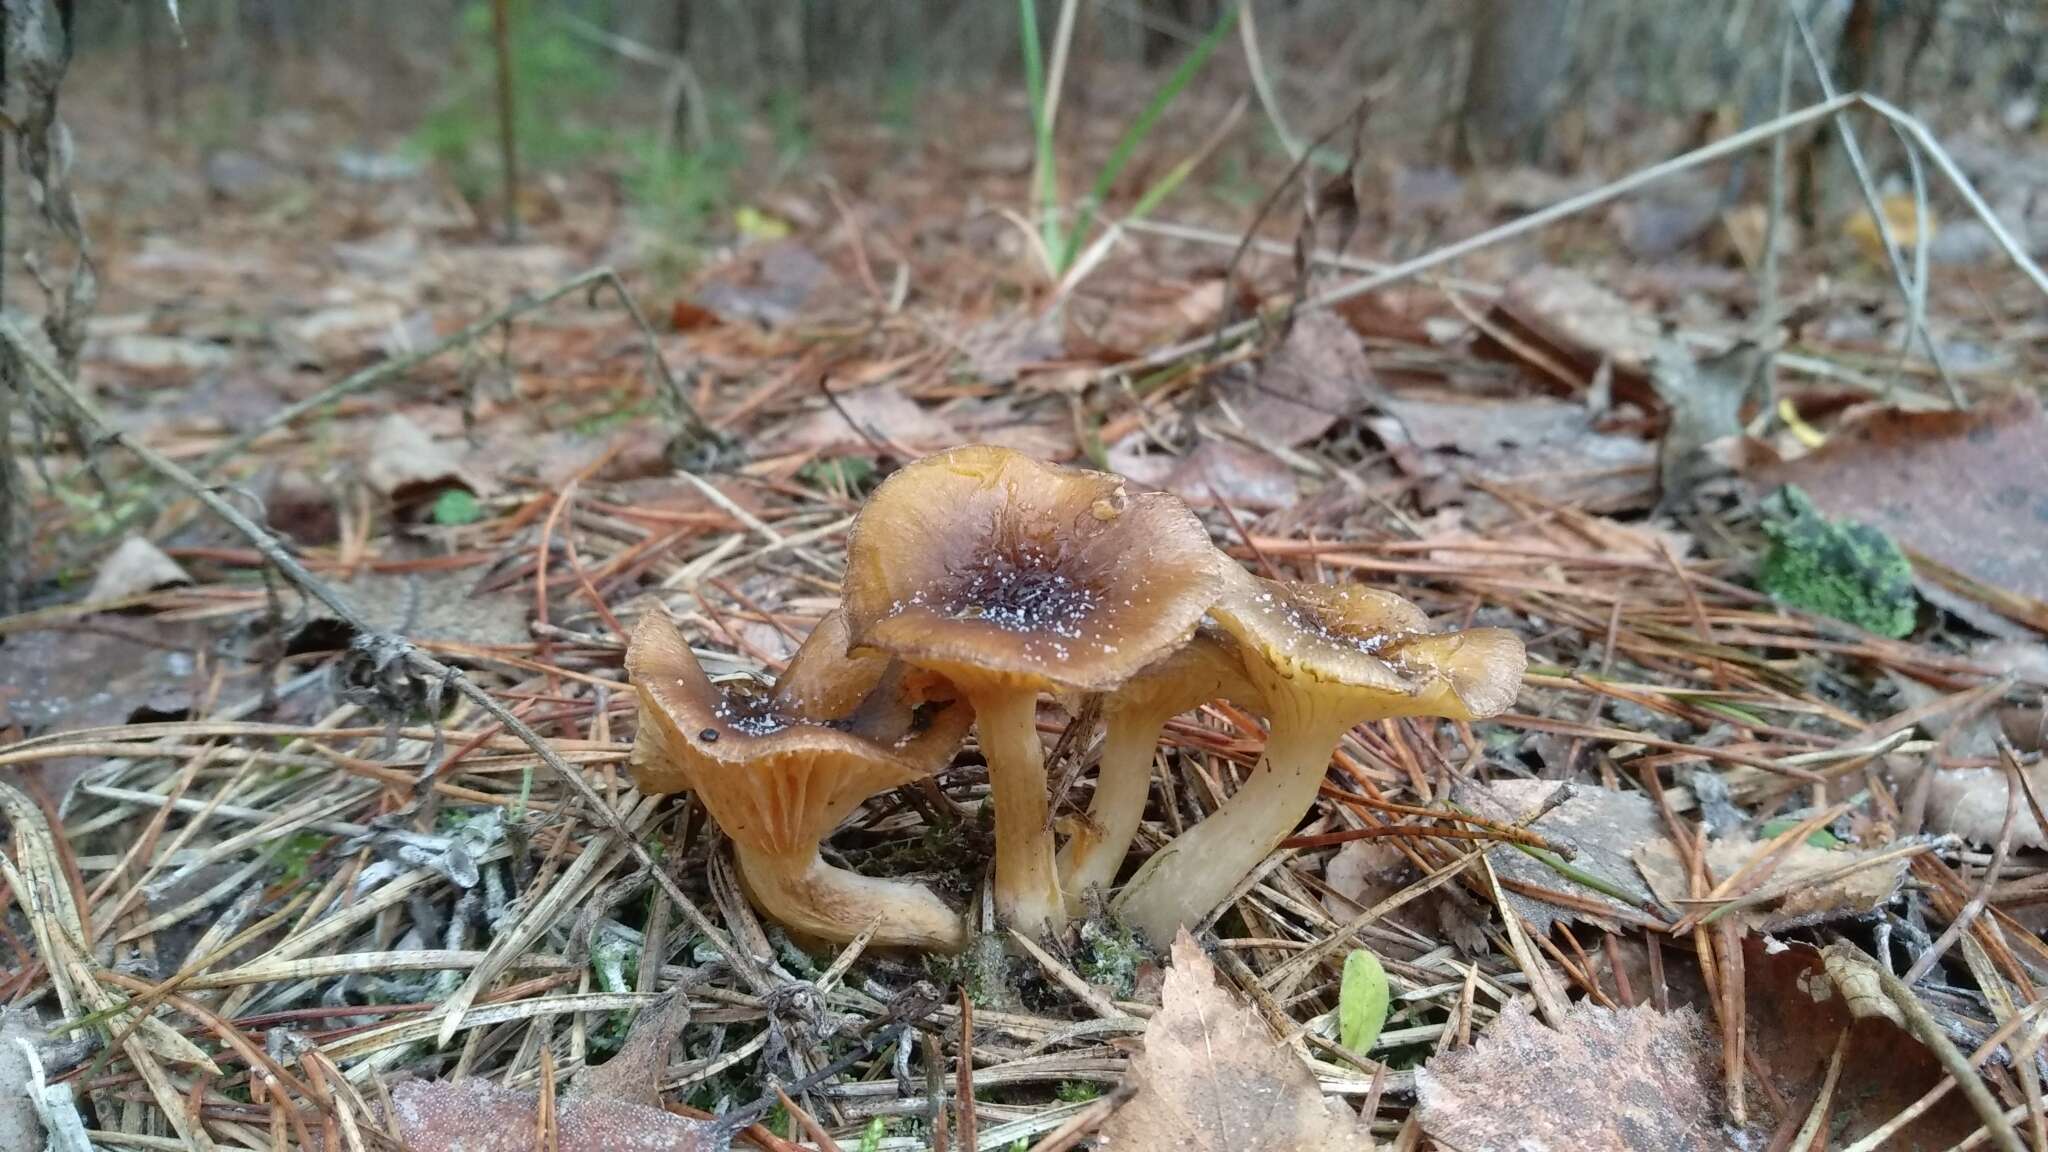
<point x="1187" y="879"/>
<point x="800" y="891"/>
<point x="1027" y="883"/>
<point x="1122" y="784"/>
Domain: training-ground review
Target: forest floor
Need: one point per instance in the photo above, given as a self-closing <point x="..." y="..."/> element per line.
<point x="332" y="877"/>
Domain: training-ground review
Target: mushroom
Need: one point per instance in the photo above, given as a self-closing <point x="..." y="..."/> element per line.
<point x="778" y="782"/>
<point x="1323" y="658"/>
<point x="1010" y="577"/>
<point x="1205" y="669"/>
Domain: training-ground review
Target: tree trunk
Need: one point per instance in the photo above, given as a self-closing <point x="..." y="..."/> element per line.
<point x="1521" y="53"/>
<point x="508" y="134"/>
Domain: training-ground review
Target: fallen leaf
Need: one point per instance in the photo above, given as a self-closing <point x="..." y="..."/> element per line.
<point x="18" y="1125"/>
<point x="1316" y="377"/>
<point x="1572" y="316"/>
<point x="1795" y="1012"/>
<point x="405" y="464"/>
<point x="1968" y="490"/>
<point x="635" y="1071"/>
<point x="1603" y="826"/>
<point x="1240" y="476"/>
<point x="863" y="417"/>
<point x="137" y="566"/>
<point x="1213" y="1078"/>
<point x="1635" y="1080"/>
<point x="476" y="1115"/>
<point x="1801" y="897"/>
<point x="1362" y="1000"/>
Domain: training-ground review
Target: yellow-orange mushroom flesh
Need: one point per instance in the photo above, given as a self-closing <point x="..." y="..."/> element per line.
<point x="1011" y="577"/>
<point x="778" y="783"/>
<point x="1324" y="659"/>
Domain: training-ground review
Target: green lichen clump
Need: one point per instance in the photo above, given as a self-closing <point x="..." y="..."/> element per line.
<point x="1841" y="569"/>
<point x="1110" y="957"/>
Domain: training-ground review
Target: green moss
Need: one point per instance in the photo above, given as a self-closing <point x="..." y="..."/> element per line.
<point x="1841" y="569"/>
<point x="1110" y="956"/>
<point x="983" y="968"/>
<point x="1077" y="1091"/>
<point x="297" y="852"/>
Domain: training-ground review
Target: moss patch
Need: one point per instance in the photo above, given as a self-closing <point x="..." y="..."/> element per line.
<point x="1841" y="569"/>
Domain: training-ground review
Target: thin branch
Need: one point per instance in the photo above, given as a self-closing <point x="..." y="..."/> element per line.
<point x="1854" y="151"/>
<point x="1607" y="193"/>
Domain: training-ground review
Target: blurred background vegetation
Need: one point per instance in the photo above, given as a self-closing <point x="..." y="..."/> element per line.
<point x="679" y="104"/>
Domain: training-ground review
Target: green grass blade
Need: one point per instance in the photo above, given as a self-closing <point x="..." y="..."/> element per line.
<point x="1140" y="128"/>
<point x="1041" y="132"/>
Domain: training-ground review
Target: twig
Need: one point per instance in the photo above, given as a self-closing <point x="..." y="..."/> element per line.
<point x="508" y="134"/>
<point x="1614" y="190"/>
<point x="1868" y="187"/>
<point x="963" y="1078"/>
<point x="1088" y="1119"/>
<point x="1769" y="307"/>
<point x="388" y="647"/>
<point x="1254" y="61"/>
<point x="694" y="431"/>
<point x="1930" y="1033"/>
<point x="1975" y="907"/>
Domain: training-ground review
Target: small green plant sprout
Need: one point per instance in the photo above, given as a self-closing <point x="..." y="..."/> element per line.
<point x="455" y="507"/>
<point x="1842" y="569"/>
<point x="1060" y="243"/>
<point x="1362" y="1000"/>
<point x="871" y="1139"/>
<point x="1818" y="838"/>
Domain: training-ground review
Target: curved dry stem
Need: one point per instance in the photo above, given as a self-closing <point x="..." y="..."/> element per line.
<point x="1093" y="854"/>
<point x="1187" y="879"/>
<point x="800" y="891"/>
<point x="1027" y="882"/>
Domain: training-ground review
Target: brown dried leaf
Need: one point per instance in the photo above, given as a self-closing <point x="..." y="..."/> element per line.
<point x="1612" y="1081"/>
<point x="478" y="1116"/>
<point x="1801" y="902"/>
<point x="1240" y="476"/>
<point x="1213" y="1079"/>
<point x="137" y="566"/>
<point x="405" y="463"/>
<point x="1604" y="826"/>
<point x="882" y="414"/>
<point x="1316" y="377"/>
<point x="1966" y="489"/>
<point x="635" y="1071"/>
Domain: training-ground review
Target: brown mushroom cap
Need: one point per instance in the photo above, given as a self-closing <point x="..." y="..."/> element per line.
<point x="825" y="680"/>
<point x="1367" y="650"/>
<point x="771" y="778"/>
<point x="983" y="563"/>
<point x="1324" y="658"/>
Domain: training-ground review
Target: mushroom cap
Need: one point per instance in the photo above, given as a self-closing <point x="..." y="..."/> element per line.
<point x="824" y="680"/>
<point x="774" y="781"/>
<point x="984" y="564"/>
<point x="1368" y="649"/>
<point x="1208" y="667"/>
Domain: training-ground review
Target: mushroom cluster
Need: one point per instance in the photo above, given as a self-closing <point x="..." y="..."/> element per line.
<point x="978" y="580"/>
